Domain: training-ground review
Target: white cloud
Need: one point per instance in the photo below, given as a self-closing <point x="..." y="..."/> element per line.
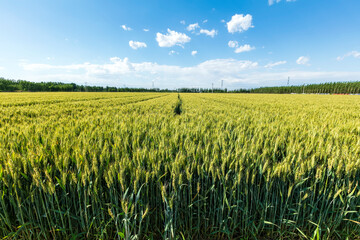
<point x="233" y="44"/>
<point x="239" y="23"/>
<point x="271" y="65"/>
<point x="192" y="27"/>
<point x="117" y="72"/>
<point x="126" y="28"/>
<point x="182" y="22"/>
<point x="172" y="52"/>
<point x="146" y="30"/>
<point x="271" y="2"/>
<point x="117" y="65"/>
<point x="222" y="20"/>
<point x="244" y="48"/>
<point x="136" y="45"/>
<point x="205" y="21"/>
<point x="122" y="71"/>
<point x="2" y="68"/>
<point x="193" y="53"/>
<point x="354" y="54"/>
<point x="303" y="60"/>
<point x="240" y="49"/>
<point x="211" y="33"/>
<point x="172" y="38"/>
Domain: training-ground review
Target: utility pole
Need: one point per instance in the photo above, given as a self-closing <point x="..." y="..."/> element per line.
<point x="304" y="89"/>
<point x="288" y="81"/>
<point x="212" y="87"/>
<point x="222" y="84"/>
<point x="153" y="84"/>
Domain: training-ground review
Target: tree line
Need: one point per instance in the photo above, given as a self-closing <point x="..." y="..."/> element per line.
<point x="7" y="85"/>
<point x="322" y="88"/>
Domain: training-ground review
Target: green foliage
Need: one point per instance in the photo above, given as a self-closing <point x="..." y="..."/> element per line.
<point x="26" y="86"/>
<point x="322" y="88"/>
<point x="233" y="166"/>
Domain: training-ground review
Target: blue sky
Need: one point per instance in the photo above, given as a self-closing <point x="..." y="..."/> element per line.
<point x="246" y="44"/>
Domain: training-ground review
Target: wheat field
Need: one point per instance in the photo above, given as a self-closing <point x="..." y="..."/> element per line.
<point x="188" y="166"/>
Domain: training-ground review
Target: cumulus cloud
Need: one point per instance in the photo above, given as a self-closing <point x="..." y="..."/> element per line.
<point x="121" y="71"/>
<point x="354" y="54"/>
<point x="117" y="72"/>
<point x="239" y="23"/>
<point x="126" y="28"/>
<point x="146" y="30"/>
<point x="193" y="26"/>
<point x="233" y="44"/>
<point x="136" y="45"/>
<point x="205" y="21"/>
<point x="182" y="22"/>
<point x="244" y="48"/>
<point x="211" y="33"/>
<point x="193" y="53"/>
<point x="172" y="38"/>
<point x="303" y="60"/>
<point x="271" y="2"/>
<point x="271" y="65"/>
<point x="240" y="49"/>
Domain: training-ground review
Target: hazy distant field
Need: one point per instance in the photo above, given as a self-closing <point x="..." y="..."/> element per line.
<point x="124" y="165"/>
